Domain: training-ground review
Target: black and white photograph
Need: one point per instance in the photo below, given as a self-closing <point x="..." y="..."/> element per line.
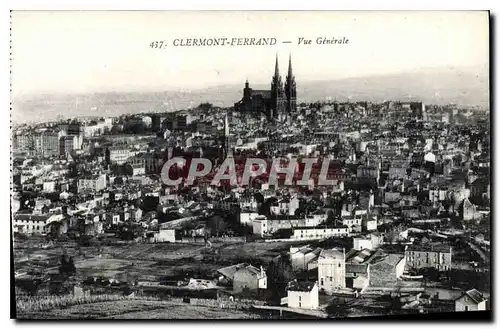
<point x="250" y="165"/>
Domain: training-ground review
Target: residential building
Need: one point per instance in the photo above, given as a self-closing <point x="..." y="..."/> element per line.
<point x="353" y="223"/>
<point x="370" y="241"/>
<point x="471" y="300"/>
<point x="166" y="235"/>
<point x="304" y="258"/>
<point x="331" y="270"/>
<point x="247" y="217"/>
<point x="303" y="295"/>
<point x="92" y="184"/>
<point x="469" y="211"/>
<point x="437" y="256"/>
<point x="29" y="223"/>
<point x="264" y="226"/>
<point x="286" y="207"/>
<point x="120" y="155"/>
<point x="387" y="270"/>
<point x="357" y="267"/>
<point x="317" y="233"/>
<point x="249" y="277"/>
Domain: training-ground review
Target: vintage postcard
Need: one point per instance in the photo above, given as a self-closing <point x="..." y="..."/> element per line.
<point x="250" y="164"/>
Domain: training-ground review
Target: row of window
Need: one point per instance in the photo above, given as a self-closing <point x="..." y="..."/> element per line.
<point x="319" y="235"/>
<point x="19" y="221"/>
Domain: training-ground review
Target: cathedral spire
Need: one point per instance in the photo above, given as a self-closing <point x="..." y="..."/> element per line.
<point x="277" y="93"/>
<point x="290" y="66"/>
<point x="290" y="89"/>
<point x="276" y="67"/>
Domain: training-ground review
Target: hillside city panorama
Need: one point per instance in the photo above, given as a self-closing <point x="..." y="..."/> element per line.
<point x="402" y="228"/>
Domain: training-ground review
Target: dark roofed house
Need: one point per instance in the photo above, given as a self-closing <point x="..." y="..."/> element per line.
<point x="471" y="300"/>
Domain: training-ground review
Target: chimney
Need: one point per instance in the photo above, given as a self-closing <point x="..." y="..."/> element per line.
<point x="261" y="270"/>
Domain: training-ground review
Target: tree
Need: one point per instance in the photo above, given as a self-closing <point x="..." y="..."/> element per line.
<point x="330" y="217"/>
<point x="279" y="273"/>
<point x="205" y="107"/>
<point x="128" y="170"/>
<point x="217" y="224"/>
<point x="337" y="309"/>
<point x="29" y="286"/>
<point x="126" y="232"/>
<point x="67" y="266"/>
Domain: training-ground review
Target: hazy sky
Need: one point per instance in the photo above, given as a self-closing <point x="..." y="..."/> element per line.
<point x="87" y="51"/>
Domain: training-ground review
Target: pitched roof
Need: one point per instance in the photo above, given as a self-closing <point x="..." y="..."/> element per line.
<point x="389" y="261"/>
<point x="230" y="270"/>
<point x="475" y="295"/>
<point x="363" y="256"/>
<point x="254" y="270"/>
<point x="300" y="286"/>
<point x="431" y="248"/>
<point x="31" y="217"/>
<point x="332" y="253"/>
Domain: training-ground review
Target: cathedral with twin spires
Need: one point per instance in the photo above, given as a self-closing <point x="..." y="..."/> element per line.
<point x="281" y="99"/>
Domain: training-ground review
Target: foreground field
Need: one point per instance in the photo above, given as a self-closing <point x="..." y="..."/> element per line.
<point x="138" y="309"/>
<point x="146" y="262"/>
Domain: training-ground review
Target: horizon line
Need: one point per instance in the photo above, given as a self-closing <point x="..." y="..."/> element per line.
<point x="227" y="84"/>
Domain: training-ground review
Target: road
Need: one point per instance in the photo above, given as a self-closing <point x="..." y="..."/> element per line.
<point x="315" y="313"/>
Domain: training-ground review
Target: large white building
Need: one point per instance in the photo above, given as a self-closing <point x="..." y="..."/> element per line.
<point x="29" y="223"/>
<point x="331" y="270"/>
<point x="264" y="226"/>
<point x="315" y="233"/>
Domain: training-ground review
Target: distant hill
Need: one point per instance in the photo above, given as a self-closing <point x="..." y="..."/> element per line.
<point x="436" y="86"/>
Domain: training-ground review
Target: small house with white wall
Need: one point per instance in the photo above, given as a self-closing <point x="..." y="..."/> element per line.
<point x="303" y="295"/>
<point x="471" y="300"/>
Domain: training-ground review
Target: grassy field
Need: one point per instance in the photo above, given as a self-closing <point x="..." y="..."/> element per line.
<point x="142" y="262"/>
<point x="138" y="309"/>
<point x="145" y="262"/>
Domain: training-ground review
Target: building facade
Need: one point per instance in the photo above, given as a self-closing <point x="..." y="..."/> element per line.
<point x="250" y="278"/>
<point x="29" y="223"/>
<point x="315" y="233"/>
<point x="471" y="300"/>
<point x="303" y="295"/>
<point x="429" y="256"/>
<point x="331" y="270"/>
<point x="92" y="184"/>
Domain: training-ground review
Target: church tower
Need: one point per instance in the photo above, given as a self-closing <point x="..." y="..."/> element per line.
<point x="247" y="92"/>
<point x="290" y="89"/>
<point x="277" y="93"/>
